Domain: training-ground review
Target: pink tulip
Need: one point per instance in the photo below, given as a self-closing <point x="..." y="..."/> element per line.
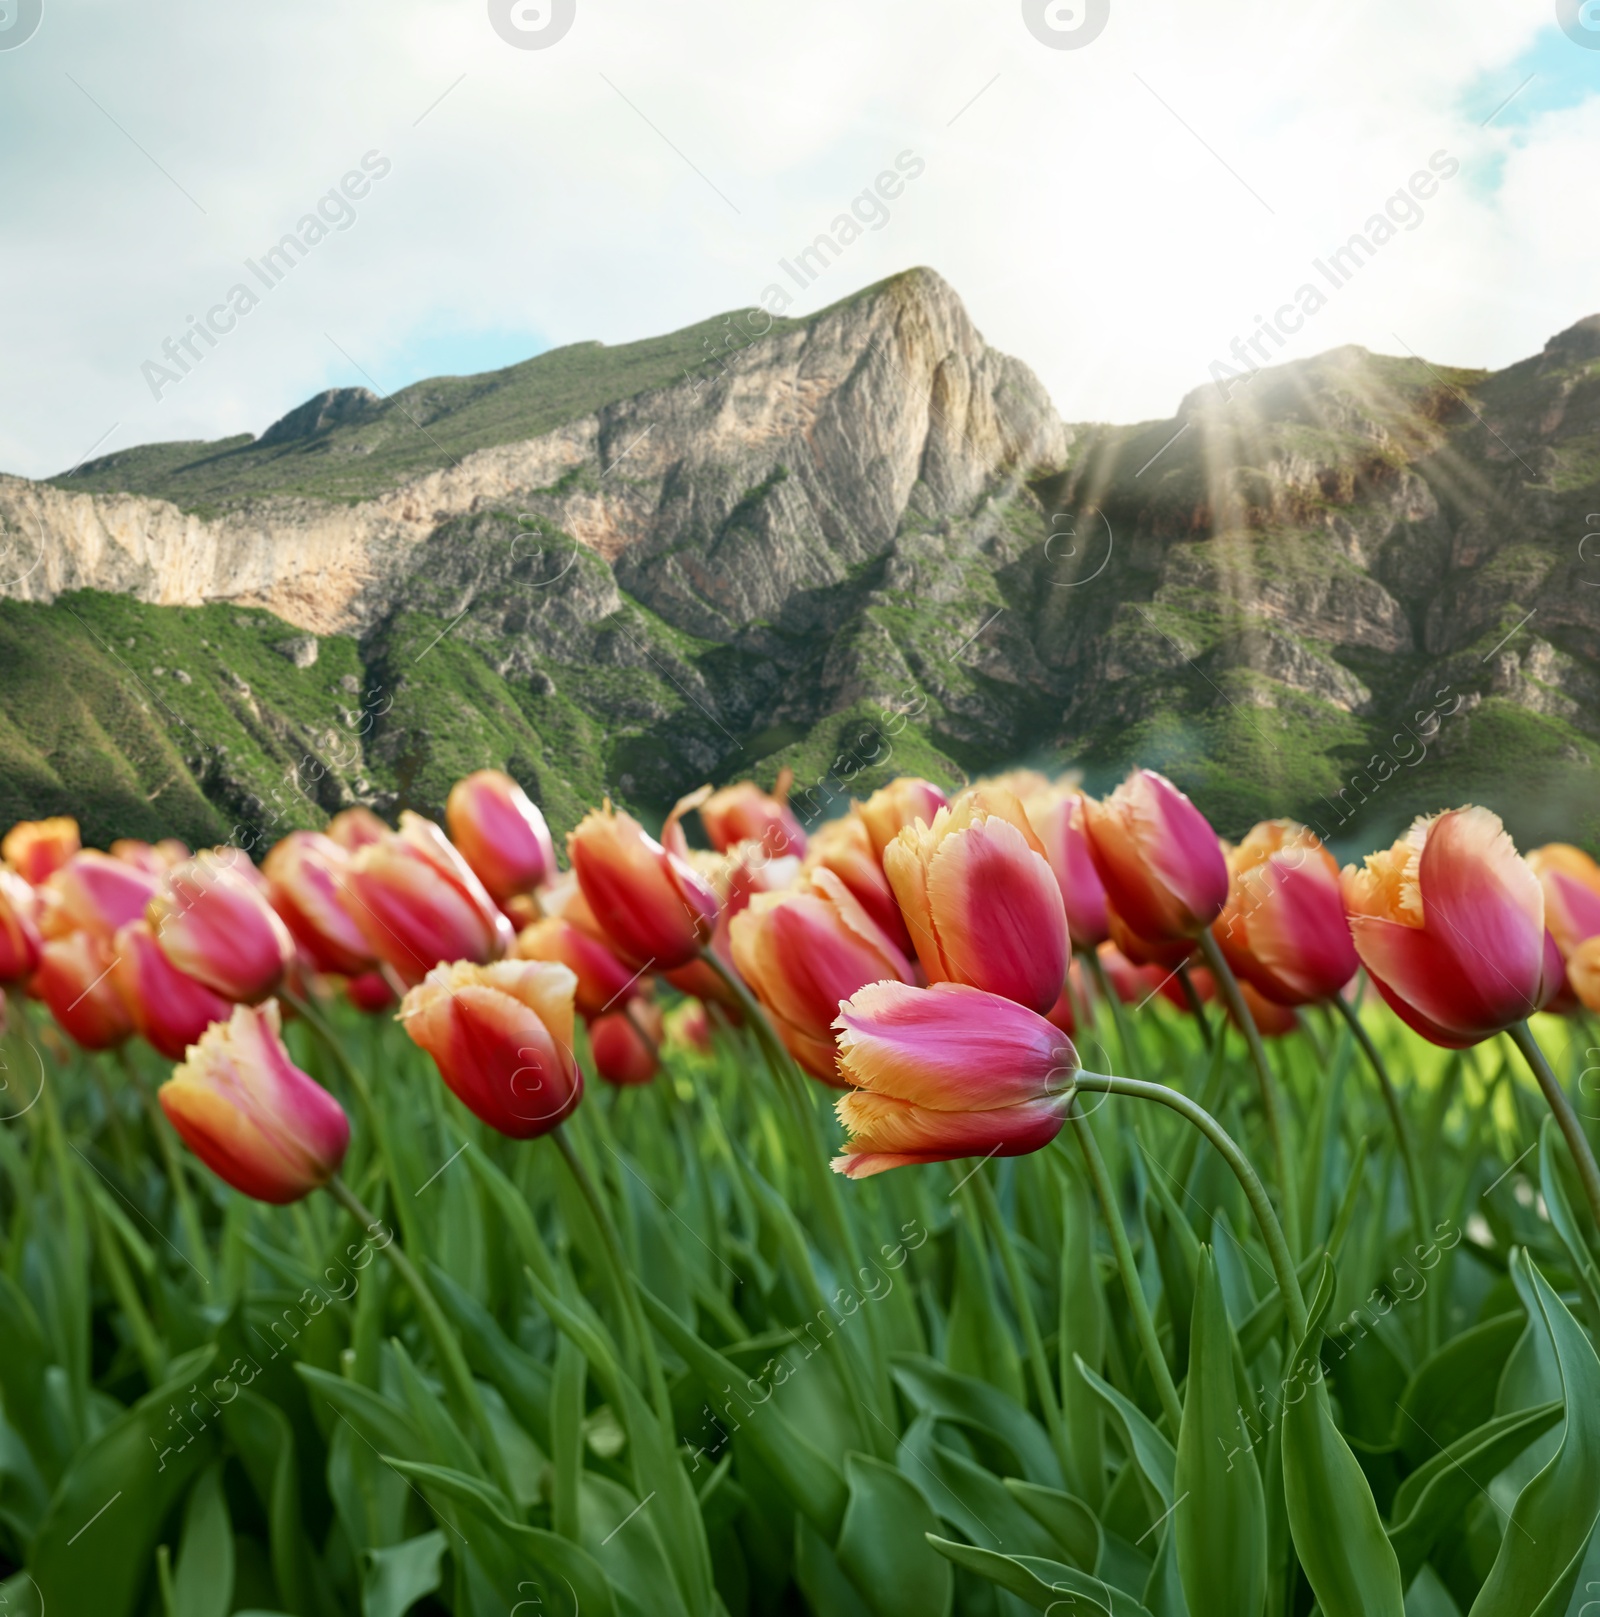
<point x="501" y="834"/>
<point x="214" y="924"/>
<point x="168" y="1008"/>
<point x="1059" y="816"/>
<point x="307" y="880"/>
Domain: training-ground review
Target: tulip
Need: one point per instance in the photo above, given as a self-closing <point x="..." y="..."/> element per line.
<point x="1058" y="815"/>
<point x="1132" y="982"/>
<point x="1272" y="1019"/>
<point x="35" y="849"/>
<point x="1571" y="883"/>
<point x="369" y="992"/>
<point x="604" y="981"/>
<point x="981" y="900"/>
<point x="168" y="1008"/>
<point x="944" y="1072"/>
<point x="500" y="833"/>
<point x="214" y="925"/>
<point x="806" y="950"/>
<point x="688" y="1027"/>
<point x="1161" y="863"/>
<point x="501" y="1037"/>
<point x="95" y="893"/>
<point x="356" y="828"/>
<point x="418" y="903"/>
<point x="901" y="803"/>
<point x="154" y="858"/>
<point x="621" y="1054"/>
<point x="735" y="877"/>
<point x="844" y="847"/>
<point x="1450" y="926"/>
<point x="744" y="813"/>
<point x="1283" y="931"/>
<point x="252" y="1116"/>
<point x="307" y="876"/>
<point x="74" y="981"/>
<point x="19" y="929"/>
<point x="1583" y="973"/>
<point x="1142" y="951"/>
<point x="654" y="907"/>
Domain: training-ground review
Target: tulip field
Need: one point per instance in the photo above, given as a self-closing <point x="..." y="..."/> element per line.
<point x="1010" y="1202"/>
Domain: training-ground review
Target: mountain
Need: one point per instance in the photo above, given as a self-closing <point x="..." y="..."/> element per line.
<point x="1348" y="587"/>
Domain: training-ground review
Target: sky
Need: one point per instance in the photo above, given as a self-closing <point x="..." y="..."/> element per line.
<point x="1117" y="191"/>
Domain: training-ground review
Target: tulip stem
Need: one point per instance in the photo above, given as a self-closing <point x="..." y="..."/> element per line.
<point x="1110" y="998"/>
<point x="1278" y="1251"/>
<point x="1228" y="985"/>
<point x="1561" y="1108"/>
<point x="188" y="1213"/>
<point x="612" y="1241"/>
<point x="452" y="1361"/>
<point x="1127" y="1268"/>
<point x="1191" y="998"/>
<point x="1018" y="1281"/>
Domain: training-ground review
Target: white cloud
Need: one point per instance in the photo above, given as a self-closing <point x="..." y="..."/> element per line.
<point x="1091" y="232"/>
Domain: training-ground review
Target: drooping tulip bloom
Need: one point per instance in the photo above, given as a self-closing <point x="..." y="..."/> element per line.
<point x="806" y="950"/>
<point x="36" y="848"/>
<point x="621" y="1055"/>
<point x="744" y="813"/>
<point x="843" y="846"/>
<point x="170" y="1009"/>
<point x="1571" y="883"/>
<point x="1284" y="930"/>
<point x="417" y="902"/>
<point x="1450" y="926"/>
<point x="213" y="924"/>
<point x="981" y="900"/>
<point x="501" y="833"/>
<point x="1161" y="863"/>
<point x="307" y="874"/>
<point x="1058" y="815"/>
<point x="95" y="893"/>
<point x="252" y="1116"/>
<point x="74" y="981"/>
<point x="604" y="980"/>
<point x="19" y="929"/>
<point x="947" y="1071"/>
<point x="653" y="906"/>
<point x="370" y="992"/>
<point x="501" y="1037"/>
<point x="901" y="803"/>
<point x="356" y="828"/>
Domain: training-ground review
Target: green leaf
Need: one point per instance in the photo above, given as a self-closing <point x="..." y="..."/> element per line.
<point x="822" y="1580"/>
<point x="1333" y="1518"/>
<point x="202" y="1582"/>
<point x="1554" y="1189"/>
<point x="1046" y="1585"/>
<point x="395" y="1578"/>
<point x="984" y="1410"/>
<point x="883" y="1543"/>
<point x="22" y="1383"/>
<point x="979" y="1343"/>
<point x="1151" y="1452"/>
<point x="1453" y="1391"/>
<point x="1555" y="1514"/>
<point x="1082" y="1331"/>
<point x="522" y="1381"/>
<point x="1074" y="1527"/>
<point x="968" y="1497"/>
<point x="1220" y="1522"/>
<point x="1437" y="1494"/>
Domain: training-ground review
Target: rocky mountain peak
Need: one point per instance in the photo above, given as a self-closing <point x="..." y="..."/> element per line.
<point x="336" y="407"/>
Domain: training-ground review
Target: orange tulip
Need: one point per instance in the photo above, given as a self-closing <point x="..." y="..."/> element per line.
<point x="252" y="1116"/>
<point x="356" y="828"/>
<point x="307" y="874"/>
<point x="981" y="900"/>
<point x="501" y="834"/>
<point x="1283" y="931"/>
<point x="418" y="904"/>
<point x="653" y="906"/>
<point x="604" y="980"/>
<point x="1571" y="883"/>
<point x="95" y="893"/>
<point x="744" y="813"/>
<point x="844" y="847"/>
<point x="19" y="929"/>
<point x="947" y="1071"/>
<point x="1161" y="863"/>
<point x="1058" y="815"/>
<point x="74" y="981"/>
<point x="1450" y="926"/>
<point x="37" y="848"/>
<point x="621" y="1056"/>
<point x="501" y="1037"/>
<point x="901" y="803"/>
<point x="803" y="952"/>
<point x="213" y="924"/>
<point x="170" y="1009"/>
